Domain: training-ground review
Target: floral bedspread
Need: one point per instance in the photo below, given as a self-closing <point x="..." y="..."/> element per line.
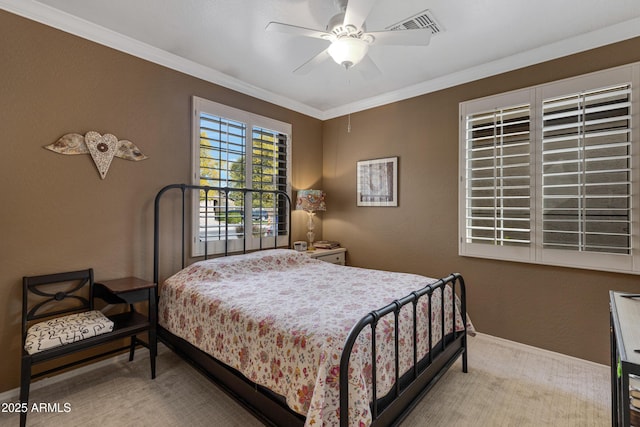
<point x="281" y="318"/>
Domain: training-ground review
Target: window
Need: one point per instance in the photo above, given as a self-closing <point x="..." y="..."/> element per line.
<point x="236" y="149"/>
<point x="548" y="174"/>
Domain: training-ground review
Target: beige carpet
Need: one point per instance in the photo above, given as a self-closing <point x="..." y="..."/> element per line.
<point x="507" y="385"/>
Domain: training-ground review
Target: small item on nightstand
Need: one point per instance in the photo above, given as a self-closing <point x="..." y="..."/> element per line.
<point x="326" y="244"/>
<point x="300" y="246"/>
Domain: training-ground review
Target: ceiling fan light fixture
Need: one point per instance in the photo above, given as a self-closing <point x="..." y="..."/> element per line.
<point x="348" y="51"/>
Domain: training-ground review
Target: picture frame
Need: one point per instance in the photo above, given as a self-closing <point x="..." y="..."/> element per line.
<point x="377" y="182"/>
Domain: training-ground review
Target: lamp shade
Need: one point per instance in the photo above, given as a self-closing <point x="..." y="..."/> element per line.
<point x="310" y="200"/>
<point x="348" y="51"/>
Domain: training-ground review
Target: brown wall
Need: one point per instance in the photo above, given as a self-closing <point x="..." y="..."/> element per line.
<point x="56" y="214"/>
<point x="559" y="309"/>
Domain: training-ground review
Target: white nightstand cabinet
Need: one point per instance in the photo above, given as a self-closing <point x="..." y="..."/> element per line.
<point x="334" y="256"/>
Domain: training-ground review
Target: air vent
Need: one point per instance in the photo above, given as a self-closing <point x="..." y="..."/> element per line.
<point x="423" y="19"/>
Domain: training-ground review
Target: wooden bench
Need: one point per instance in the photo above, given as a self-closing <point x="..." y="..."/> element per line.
<point x="59" y="319"/>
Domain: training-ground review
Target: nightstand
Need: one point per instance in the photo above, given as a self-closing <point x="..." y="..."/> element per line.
<point x="334" y="256"/>
<point x="130" y="290"/>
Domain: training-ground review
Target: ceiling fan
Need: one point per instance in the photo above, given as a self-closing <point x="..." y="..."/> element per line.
<point x="350" y="41"/>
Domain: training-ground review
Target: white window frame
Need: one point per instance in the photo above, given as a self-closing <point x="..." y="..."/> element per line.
<point x="535" y="253"/>
<point x="251" y="120"/>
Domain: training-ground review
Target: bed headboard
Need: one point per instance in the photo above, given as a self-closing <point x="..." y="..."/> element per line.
<point x="215" y="205"/>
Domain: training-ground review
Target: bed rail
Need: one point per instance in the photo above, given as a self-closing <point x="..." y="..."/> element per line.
<point x="278" y="195"/>
<point x="404" y="398"/>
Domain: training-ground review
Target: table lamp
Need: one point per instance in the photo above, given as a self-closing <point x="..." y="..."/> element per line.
<point x="310" y="201"/>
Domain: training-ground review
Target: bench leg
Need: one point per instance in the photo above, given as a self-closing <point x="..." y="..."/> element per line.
<point x="132" y="347"/>
<point x="153" y="351"/>
<point x="153" y="337"/>
<point x="25" y="382"/>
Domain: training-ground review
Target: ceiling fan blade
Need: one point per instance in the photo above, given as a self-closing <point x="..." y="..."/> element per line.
<point x="298" y="31"/>
<point x="367" y="68"/>
<point x="419" y="37"/>
<point x="312" y="63"/>
<point x="357" y="12"/>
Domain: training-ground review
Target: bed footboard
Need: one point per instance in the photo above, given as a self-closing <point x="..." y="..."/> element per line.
<point x="425" y="372"/>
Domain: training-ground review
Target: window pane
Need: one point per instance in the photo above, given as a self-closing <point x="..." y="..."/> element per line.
<point x="498" y="177"/>
<point x="269" y="162"/>
<point x="222" y="154"/>
<point x="587" y="171"/>
<point x="222" y="151"/>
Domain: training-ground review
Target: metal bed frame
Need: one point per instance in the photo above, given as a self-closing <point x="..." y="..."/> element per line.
<point x="270" y="407"/>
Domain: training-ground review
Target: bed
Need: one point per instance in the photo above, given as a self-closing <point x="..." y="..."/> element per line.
<point x="300" y="341"/>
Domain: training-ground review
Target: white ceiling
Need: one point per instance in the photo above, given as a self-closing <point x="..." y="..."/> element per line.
<point x="225" y="42"/>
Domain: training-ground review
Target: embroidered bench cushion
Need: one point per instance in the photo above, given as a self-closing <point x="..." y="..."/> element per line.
<point x="66" y="330"/>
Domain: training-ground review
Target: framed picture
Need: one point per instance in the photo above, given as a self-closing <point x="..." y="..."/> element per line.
<point x="377" y="182"/>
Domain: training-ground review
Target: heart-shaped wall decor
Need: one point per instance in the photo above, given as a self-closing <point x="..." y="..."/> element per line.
<point x="102" y="149"/>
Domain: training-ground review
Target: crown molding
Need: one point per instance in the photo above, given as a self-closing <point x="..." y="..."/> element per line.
<point x="39" y="12"/>
<point x="594" y="39"/>
<point x="71" y="24"/>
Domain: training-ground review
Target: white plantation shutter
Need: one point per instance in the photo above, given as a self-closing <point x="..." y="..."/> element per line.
<point x="269" y="172"/>
<point x="498" y="177"/>
<point x="549" y="174"/>
<point x="222" y="143"/>
<point x="586" y="171"/>
<point x="221" y="156"/>
<point x="269" y="160"/>
<point x="236" y="149"/>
